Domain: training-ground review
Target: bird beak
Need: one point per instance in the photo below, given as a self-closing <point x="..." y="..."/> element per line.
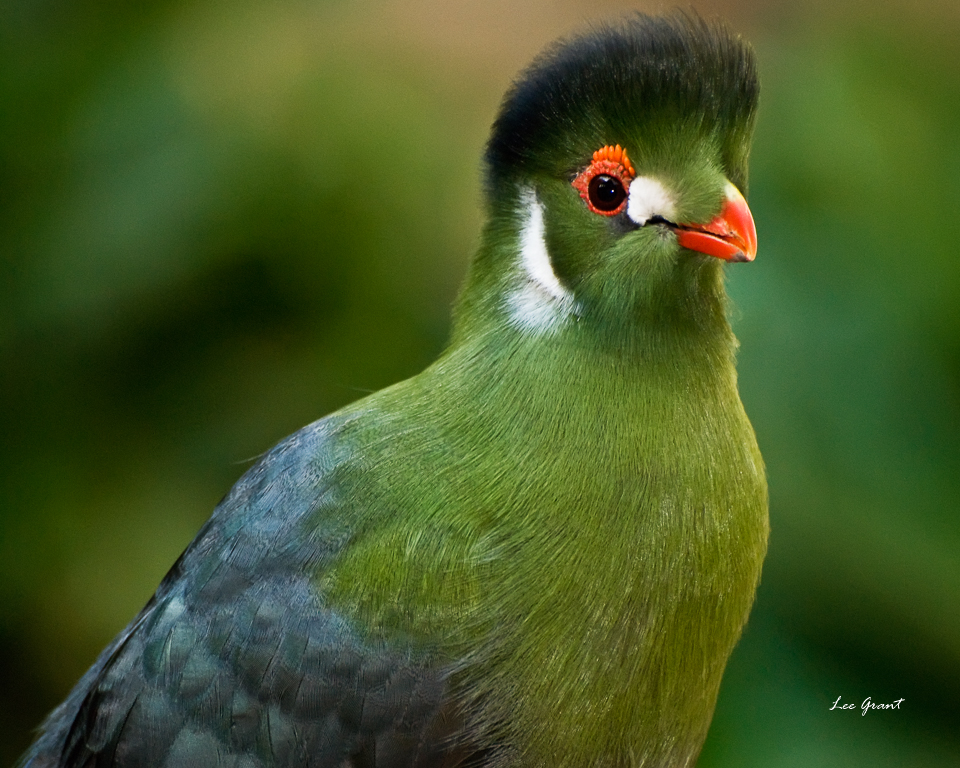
<point x="731" y="236"/>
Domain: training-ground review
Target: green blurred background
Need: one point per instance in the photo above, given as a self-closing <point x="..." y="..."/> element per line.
<point x="222" y="220"/>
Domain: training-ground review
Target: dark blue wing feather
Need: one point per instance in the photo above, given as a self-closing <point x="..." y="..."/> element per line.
<point x="236" y="661"/>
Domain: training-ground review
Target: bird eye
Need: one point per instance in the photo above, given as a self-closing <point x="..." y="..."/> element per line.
<point x="606" y="192"/>
<point x="603" y="184"/>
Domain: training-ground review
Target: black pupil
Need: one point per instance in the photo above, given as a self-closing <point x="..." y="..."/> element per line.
<point x="606" y="192"/>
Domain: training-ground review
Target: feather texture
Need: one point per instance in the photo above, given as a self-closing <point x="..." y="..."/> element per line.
<point x="538" y="552"/>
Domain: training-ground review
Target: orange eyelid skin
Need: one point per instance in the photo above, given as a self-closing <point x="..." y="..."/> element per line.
<point x="611" y="161"/>
<point x="616" y="154"/>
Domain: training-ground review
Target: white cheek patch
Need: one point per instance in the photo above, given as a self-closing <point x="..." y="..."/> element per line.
<point x="533" y="249"/>
<point x="648" y="198"/>
<point x="541" y="303"/>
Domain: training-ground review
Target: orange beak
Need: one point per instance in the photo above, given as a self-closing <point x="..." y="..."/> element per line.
<point x="731" y="236"/>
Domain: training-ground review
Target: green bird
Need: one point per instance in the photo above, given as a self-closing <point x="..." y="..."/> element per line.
<point x="541" y="550"/>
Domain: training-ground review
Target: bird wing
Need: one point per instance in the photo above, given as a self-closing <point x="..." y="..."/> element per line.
<point x="237" y="661"/>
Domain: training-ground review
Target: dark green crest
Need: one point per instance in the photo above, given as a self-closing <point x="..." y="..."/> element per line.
<point x="640" y="78"/>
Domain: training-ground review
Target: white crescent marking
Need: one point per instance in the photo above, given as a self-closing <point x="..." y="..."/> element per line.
<point x="541" y="303"/>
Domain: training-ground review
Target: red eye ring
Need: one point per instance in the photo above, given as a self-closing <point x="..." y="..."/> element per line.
<point x="604" y="183"/>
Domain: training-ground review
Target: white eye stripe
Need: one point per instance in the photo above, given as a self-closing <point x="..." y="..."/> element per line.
<point x="647" y="198"/>
<point x="533" y="248"/>
<point x="540" y="303"/>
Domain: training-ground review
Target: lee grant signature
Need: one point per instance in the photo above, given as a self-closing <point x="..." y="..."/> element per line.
<point x="867" y="705"/>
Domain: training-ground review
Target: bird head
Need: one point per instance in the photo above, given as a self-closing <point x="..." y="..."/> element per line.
<point x="615" y="175"/>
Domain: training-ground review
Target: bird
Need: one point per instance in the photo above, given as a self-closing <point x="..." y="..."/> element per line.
<point x="542" y="549"/>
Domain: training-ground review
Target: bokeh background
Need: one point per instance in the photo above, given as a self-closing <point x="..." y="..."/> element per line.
<point x="222" y="220"/>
